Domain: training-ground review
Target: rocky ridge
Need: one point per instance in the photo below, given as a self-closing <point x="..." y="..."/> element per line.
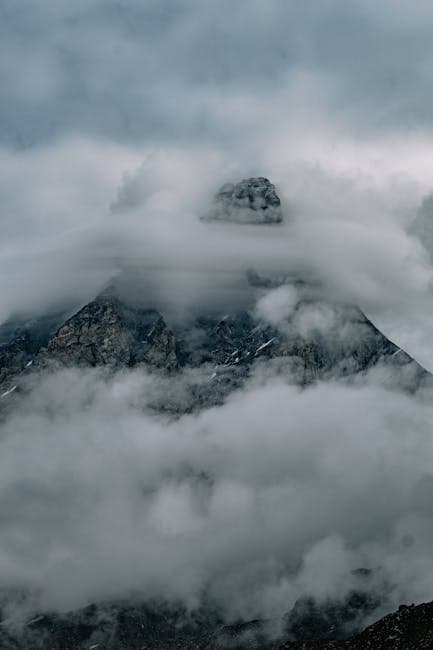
<point x="109" y="333"/>
<point x="128" y="626"/>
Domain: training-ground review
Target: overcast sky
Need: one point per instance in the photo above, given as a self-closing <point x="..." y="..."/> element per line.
<point x="132" y="71"/>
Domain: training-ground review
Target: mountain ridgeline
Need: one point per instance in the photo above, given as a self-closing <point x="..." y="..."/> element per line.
<point x="318" y="339"/>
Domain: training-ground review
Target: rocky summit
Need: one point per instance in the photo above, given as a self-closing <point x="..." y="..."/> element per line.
<point x="252" y="200"/>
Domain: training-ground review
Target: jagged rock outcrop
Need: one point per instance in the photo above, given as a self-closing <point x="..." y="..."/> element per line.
<point x="20" y="342"/>
<point x="106" y="332"/>
<point x="349" y="345"/>
<point x="252" y="200"/>
<point x="133" y="625"/>
<point x="129" y="626"/>
<point x="14" y="357"/>
<point x="410" y="628"/>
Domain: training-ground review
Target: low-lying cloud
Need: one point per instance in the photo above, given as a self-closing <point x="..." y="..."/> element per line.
<point x="80" y="213"/>
<point x="275" y="495"/>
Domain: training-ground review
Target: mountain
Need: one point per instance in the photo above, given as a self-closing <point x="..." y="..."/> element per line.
<point x="130" y="626"/>
<point x="319" y="338"/>
<point x="409" y="628"/>
<point x="252" y="200"/>
<point x="108" y="332"/>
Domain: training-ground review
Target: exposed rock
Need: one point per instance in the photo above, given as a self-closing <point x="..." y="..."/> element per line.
<point x="20" y="341"/>
<point x="132" y="625"/>
<point x="222" y="352"/>
<point x="108" y="332"/>
<point x="129" y="626"/>
<point x="253" y="200"/>
<point x="348" y="346"/>
<point x="14" y="357"/>
<point x="410" y="628"/>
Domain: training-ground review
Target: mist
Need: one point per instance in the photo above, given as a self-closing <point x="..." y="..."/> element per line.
<point x="93" y="213"/>
<point x="277" y="494"/>
<point x="120" y="123"/>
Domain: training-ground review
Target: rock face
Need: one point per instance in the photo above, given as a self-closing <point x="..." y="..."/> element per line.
<point x="410" y="628"/>
<point x="349" y="345"/>
<point x="252" y="200"/>
<point x="127" y="625"/>
<point x="14" y="357"/>
<point x="131" y="626"/>
<point x="108" y="332"/>
<point x="20" y="342"/>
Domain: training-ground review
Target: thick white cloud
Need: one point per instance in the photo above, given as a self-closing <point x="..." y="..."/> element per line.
<point x="77" y="213"/>
<point x="275" y="495"/>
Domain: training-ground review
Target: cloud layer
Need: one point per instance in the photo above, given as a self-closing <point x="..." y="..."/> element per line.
<point x="120" y="121"/>
<point x="121" y="69"/>
<point x="275" y="495"/>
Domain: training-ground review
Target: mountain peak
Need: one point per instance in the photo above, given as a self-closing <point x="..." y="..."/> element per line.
<point x="252" y="200"/>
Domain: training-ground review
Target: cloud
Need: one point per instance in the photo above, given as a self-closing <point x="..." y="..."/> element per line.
<point x="80" y="212"/>
<point x="135" y="72"/>
<point x="120" y="121"/>
<point x="100" y="498"/>
<point x="277" y="306"/>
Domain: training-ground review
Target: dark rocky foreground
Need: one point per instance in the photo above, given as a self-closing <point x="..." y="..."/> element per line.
<point x="410" y="628"/>
<point x="134" y="627"/>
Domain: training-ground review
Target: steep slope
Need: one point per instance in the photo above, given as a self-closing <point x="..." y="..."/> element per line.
<point x="319" y="339"/>
<point x="129" y="626"/>
<point x="410" y="628"/>
<point x="108" y="332"/>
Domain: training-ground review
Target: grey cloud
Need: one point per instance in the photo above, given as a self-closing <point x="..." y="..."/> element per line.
<point x="101" y="499"/>
<point x="59" y="230"/>
<point x="157" y="71"/>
